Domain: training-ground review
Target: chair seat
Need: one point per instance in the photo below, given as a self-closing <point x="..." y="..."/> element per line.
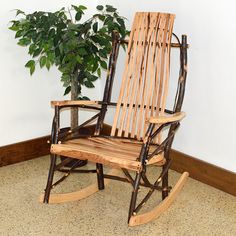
<point x="119" y="153"/>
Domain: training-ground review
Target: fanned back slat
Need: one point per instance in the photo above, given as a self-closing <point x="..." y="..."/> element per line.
<point x="145" y="79"/>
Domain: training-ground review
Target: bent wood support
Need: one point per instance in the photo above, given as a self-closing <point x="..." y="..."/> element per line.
<point x="78" y="195"/>
<point x="156" y="212"/>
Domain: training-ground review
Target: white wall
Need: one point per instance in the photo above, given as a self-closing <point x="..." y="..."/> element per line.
<point x="208" y="131"/>
<point x="25" y="100"/>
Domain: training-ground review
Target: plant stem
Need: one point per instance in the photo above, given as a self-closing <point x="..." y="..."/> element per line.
<point x="74" y="96"/>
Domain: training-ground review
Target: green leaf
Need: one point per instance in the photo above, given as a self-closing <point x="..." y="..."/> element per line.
<point x="32" y="69"/>
<point x="107" y="6"/>
<point x="93" y="48"/>
<point x="42" y="61"/>
<point x="66" y="80"/>
<point x="51" y="57"/>
<point x="19" y="33"/>
<point x="51" y="33"/>
<point x="37" y="52"/>
<point x="66" y="83"/>
<point x="90" y="76"/>
<point x="95" y="65"/>
<point x="93" y="78"/>
<point x="95" y="27"/>
<point x="103" y="64"/>
<point x="100" y="40"/>
<point x="48" y="64"/>
<point x="82" y="52"/>
<point x="32" y="48"/>
<point x="84" y="98"/>
<point x="102" y="53"/>
<point x="88" y="84"/>
<point x="14" y="28"/>
<point x="61" y="26"/>
<point x="121" y="22"/>
<point x="30" y="63"/>
<point x="67" y="90"/>
<point x="100" y="7"/>
<point x="78" y="15"/>
<point x="79" y="59"/>
<point x="99" y="72"/>
<point x="24" y="42"/>
<point x="101" y="17"/>
<point x="75" y="7"/>
<point x="81" y="7"/>
<point x="110" y="8"/>
<point x="73" y="26"/>
<point x="65" y="77"/>
<point x="18" y="12"/>
<point x="108" y="20"/>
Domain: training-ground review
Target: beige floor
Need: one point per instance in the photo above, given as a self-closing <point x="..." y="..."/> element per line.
<point x="199" y="209"/>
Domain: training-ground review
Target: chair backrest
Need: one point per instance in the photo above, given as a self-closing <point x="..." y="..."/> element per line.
<point x="145" y="79"/>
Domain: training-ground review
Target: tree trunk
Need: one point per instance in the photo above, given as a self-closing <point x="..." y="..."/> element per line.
<point x="74" y="120"/>
<point x="74" y="96"/>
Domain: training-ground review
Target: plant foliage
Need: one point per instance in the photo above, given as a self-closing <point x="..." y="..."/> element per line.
<point x="78" y="48"/>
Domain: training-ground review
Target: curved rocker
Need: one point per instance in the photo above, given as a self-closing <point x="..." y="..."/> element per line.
<point x="78" y="195"/>
<point x="157" y="211"/>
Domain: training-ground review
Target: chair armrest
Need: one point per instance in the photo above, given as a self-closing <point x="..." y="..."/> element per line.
<point x="74" y="103"/>
<point x="167" y="118"/>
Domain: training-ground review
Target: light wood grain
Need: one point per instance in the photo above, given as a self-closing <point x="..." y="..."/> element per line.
<point x="77" y="102"/>
<point x="124" y="77"/>
<point x="163" y="206"/>
<point x="132" y="68"/>
<point x="136" y="72"/>
<point x="167" y="118"/>
<point x="145" y="79"/>
<point x="117" y="153"/>
<point x="157" y="160"/>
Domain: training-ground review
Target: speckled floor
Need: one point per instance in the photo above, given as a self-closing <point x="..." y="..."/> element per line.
<point x="199" y="209"/>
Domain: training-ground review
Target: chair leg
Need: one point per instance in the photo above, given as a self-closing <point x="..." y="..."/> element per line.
<point x="163" y="206"/>
<point x="134" y="195"/>
<point x="165" y="183"/>
<point x="50" y="178"/>
<point x="100" y="176"/>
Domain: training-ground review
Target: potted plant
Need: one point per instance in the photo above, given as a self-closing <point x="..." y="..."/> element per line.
<point x="78" y="48"/>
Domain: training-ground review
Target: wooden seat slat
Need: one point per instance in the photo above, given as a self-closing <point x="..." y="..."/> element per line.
<point x="105" y="151"/>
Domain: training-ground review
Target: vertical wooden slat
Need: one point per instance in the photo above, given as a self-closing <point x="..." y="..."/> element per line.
<point x="146" y="74"/>
<point x="152" y="75"/>
<point x="139" y="92"/>
<point x="142" y="48"/>
<point x="145" y="84"/>
<point x="159" y="60"/>
<point x="162" y="70"/>
<point x="136" y="19"/>
<point x="136" y="40"/>
<point x="157" y="68"/>
<point x="167" y="72"/>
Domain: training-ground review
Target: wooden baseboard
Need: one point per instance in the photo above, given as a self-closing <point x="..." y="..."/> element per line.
<point x="30" y="149"/>
<point x="204" y="172"/>
<point x="23" y="151"/>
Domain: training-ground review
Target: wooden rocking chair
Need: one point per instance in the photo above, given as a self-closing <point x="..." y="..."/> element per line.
<point x="136" y="139"/>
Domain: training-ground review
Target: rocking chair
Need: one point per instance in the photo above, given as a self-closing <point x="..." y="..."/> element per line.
<point x="136" y="138"/>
